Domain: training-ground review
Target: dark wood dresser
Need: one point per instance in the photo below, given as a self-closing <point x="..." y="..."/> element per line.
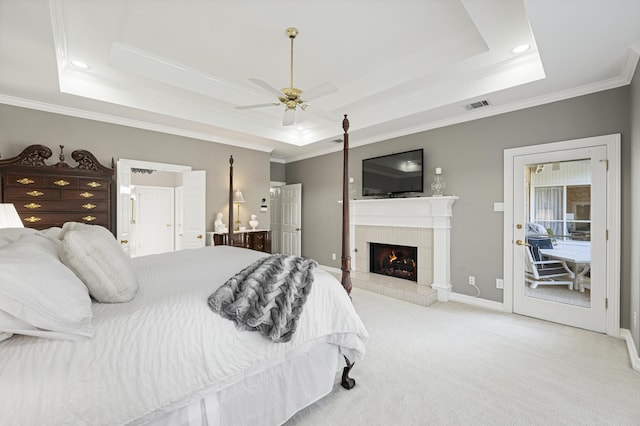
<point x="259" y="240"/>
<point x="50" y="195"/>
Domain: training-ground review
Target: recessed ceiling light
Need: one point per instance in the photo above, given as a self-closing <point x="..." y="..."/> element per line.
<point x="80" y="65"/>
<point x="520" y="49"/>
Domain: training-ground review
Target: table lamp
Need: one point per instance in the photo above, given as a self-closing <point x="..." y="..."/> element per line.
<point x="238" y="198"/>
<point x="9" y="216"/>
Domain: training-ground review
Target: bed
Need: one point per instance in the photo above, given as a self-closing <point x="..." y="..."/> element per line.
<point x="98" y="347"/>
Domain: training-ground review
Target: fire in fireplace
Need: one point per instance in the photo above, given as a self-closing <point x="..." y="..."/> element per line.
<point x="394" y="260"/>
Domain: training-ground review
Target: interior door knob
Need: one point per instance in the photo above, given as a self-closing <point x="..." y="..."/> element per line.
<point x="520" y="242"/>
<point x="199" y="237"/>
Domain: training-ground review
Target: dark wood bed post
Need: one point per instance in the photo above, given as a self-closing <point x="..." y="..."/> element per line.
<point x="347" y="382"/>
<point x="230" y="233"/>
<point x="346" y="248"/>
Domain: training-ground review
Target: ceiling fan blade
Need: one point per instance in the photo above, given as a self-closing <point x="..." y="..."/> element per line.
<point x="329" y="116"/>
<point x="289" y="117"/>
<point x="321" y="90"/>
<point x="266" y="86"/>
<point x="257" y="105"/>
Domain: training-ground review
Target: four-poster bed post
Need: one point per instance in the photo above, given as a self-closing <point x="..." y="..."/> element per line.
<point x="347" y="382"/>
<point x="346" y="257"/>
<point x="230" y="233"/>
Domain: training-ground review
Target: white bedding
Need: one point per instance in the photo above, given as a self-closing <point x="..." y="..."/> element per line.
<point x="165" y="348"/>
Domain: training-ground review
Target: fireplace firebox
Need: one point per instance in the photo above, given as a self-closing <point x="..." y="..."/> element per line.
<point x="394" y="260"/>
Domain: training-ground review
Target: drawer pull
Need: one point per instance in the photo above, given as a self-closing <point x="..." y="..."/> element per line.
<point x="62" y="182"/>
<point x="94" y="184"/>
<point x="89" y="206"/>
<point x="86" y="194"/>
<point x="124" y="241"/>
<point x="32" y="219"/>
<point x="89" y="218"/>
<point x="35" y="193"/>
<point x="25" y="181"/>
<point x="32" y="206"/>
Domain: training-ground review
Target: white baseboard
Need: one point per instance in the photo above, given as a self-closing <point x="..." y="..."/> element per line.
<point x="476" y="301"/>
<point x="631" y="347"/>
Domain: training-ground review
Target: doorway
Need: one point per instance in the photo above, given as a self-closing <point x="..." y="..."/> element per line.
<point x="286" y="219"/>
<point x="575" y="215"/>
<point x="187" y="208"/>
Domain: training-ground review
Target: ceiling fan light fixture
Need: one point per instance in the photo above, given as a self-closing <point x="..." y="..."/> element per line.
<point x="291" y="97"/>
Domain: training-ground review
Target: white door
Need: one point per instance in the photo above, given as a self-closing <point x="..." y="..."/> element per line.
<point x="585" y="309"/>
<point x="154" y="219"/>
<point x="178" y="232"/>
<point x="291" y="227"/>
<point x="194" y="209"/>
<point x="123" y="208"/>
<point x="276" y="220"/>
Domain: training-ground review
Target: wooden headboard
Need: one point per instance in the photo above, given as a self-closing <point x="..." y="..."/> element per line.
<point x="50" y="195"/>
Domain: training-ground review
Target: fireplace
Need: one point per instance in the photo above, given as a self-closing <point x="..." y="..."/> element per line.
<point x="394" y="261"/>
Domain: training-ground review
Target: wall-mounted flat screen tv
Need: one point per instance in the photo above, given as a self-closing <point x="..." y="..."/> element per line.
<point x="393" y="174"/>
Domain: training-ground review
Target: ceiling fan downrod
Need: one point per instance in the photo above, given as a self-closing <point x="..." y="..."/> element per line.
<point x="292" y="95"/>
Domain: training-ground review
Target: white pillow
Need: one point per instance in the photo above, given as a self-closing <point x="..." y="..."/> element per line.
<point x="39" y="296"/>
<point x="11" y="235"/>
<point x="92" y="252"/>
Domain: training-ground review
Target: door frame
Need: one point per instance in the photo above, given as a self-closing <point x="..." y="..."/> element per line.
<point x="613" y="220"/>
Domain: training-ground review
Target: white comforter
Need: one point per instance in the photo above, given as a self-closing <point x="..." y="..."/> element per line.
<point x="162" y="348"/>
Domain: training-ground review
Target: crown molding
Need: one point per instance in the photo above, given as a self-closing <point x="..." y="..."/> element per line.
<point x="89" y="115"/>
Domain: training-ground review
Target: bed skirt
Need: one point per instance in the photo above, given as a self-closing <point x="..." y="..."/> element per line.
<point x="263" y="397"/>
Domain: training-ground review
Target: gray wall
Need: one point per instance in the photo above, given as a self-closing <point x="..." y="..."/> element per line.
<point x="22" y="127"/>
<point x="278" y="172"/>
<point x="471" y="157"/>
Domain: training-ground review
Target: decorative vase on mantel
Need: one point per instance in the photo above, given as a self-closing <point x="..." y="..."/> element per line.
<point x="438" y="184"/>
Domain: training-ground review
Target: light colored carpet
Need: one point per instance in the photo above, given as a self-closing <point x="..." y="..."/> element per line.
<point x="453" y="364"/>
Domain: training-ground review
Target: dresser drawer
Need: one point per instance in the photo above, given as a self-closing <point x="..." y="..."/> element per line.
<point x="84" y="194"/>
<point x="47" y="219"/>
<point x="31" y="193"/>
<point x="62" y="206"/>
<point x="88" y="183"/>
<point x="24" y="180"/>
<point x="42" y="181"/>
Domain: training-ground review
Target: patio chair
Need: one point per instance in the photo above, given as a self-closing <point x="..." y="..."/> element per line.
<point x="545" y="272"/>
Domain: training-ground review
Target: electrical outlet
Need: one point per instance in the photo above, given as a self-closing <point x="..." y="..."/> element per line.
<point x="333" y="256"/>
<point x="499" y="283"/>
<point x="472" y="280"/>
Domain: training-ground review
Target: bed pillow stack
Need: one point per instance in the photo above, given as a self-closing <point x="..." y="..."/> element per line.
<point x="94" y="255"/>
<point x="47" y="279"/>
<point x="39" y="296"/>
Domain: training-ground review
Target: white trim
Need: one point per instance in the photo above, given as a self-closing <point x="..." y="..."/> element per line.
<point x="612" y="142"/>
<point x="106" y="118"/>
<point x="631" y="347"/>
<point x="476" y="301"/>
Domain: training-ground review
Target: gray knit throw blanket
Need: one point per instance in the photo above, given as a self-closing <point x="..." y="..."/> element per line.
<point x="267" y="296"/>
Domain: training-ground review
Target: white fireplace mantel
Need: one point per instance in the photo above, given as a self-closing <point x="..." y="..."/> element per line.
<point x="422" y="212"/>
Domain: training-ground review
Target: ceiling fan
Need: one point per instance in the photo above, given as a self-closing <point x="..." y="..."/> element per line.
<point x="291" y="97"/>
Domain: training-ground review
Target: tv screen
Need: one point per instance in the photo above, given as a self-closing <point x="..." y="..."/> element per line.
<point x="393" y="174"/>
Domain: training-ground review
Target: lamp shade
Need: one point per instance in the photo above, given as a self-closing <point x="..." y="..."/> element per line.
<point x="238" y="197"/>
<point x="9" y="216"/>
